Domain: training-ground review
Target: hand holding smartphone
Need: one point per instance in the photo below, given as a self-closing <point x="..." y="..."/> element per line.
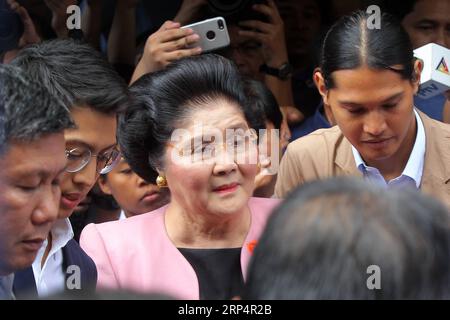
<point x="213" y="34"/>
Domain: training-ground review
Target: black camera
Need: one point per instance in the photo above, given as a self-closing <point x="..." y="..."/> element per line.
<point x="11" y="29"/>
<point x="235" y="10"/>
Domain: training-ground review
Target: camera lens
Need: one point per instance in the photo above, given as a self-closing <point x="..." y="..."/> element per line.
<point x="210" y="35"/>
<point x="220" y="24"/>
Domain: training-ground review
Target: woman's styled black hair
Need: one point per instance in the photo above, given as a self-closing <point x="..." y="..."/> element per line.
<point x="161" y="101"/>
<point x="353" y="42"/>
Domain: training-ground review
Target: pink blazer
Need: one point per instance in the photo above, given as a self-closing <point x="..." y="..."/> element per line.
<point x="136" y="253"/>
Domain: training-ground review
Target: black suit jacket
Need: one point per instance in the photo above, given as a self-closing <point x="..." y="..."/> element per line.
<point x="24" y="286"/>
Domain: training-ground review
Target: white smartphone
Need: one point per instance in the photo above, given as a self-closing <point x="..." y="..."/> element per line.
<point x="213" y="34"/>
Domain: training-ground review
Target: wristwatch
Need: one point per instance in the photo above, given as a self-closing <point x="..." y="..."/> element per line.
<point x="283" y="72"/>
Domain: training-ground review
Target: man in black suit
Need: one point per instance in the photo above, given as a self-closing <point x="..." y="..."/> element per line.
<point x="32" y="160"/>
<point x="94" y="93"/>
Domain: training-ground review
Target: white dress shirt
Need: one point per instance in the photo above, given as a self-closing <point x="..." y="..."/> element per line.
<point x="51" y="278"/>
<point x="122" y="215"/>
<point x="6" y="287"/>
<point x="412" y="173"/>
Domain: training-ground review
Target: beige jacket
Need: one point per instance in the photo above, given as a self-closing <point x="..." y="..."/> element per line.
<point x="326" y="152"/>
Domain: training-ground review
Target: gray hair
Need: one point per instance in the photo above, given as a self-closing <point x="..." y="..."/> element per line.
<point x="27" y="110"/>
<point x="320" y="242"/>
<point x="76" y="73"/>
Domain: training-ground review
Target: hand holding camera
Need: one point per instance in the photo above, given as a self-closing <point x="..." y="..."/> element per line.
<point x="269" y="33"/>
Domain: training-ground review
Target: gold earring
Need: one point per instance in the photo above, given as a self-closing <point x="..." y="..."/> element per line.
<point x="161" y="182"/>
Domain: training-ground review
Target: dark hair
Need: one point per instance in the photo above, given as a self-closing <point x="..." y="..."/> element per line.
<point x="161" y="101"/>
<point x="235" y="10"/>
<point x="27" y="110"/>
<point x="320" y="242"/>
<point x="263" y="103"/>
<point x="76" y="73"/>
<point x="151" y="173"/>
<point x="350" y="44"/>
<point x="400" y="9"/>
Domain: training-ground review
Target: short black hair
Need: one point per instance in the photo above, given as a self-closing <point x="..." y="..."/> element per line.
<point x="400" y="9"/>
<point x="28" y="110"/>
<point x="320" y="242"/>
<point x="160" y="101"/>
<point x="263" y="103"/>
<point x="350" y="44"/>
<point x="76" y="73"/>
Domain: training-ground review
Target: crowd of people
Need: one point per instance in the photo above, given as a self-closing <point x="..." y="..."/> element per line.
<point x="283" y="166"/>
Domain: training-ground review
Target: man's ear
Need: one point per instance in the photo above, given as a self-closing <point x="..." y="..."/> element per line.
<point x="418" y="67"/>
<point x="103" y="184"/>
<point x="320" y="84"/>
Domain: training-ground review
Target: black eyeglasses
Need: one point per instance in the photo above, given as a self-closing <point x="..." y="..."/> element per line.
<point x="79" y="157"/>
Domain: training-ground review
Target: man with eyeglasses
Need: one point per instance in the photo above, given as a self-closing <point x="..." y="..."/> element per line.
<point x="32" y="162"/>
<point x="94" y="93"/>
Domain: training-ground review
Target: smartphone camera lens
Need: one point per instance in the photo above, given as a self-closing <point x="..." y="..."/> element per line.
<point x="210" y="35"/>
<point x="220" y="23"/>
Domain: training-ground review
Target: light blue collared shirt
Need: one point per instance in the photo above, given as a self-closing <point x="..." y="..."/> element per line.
<point x="412" y="173"/>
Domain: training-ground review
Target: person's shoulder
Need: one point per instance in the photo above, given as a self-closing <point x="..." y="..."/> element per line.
<point x="263" y="202"/>
<point x="320" y="137"/>
<point x="75" y="255"/>
<point x="263" y="206"/>
<point x="73" y="246"/>
<point x="126" y="229"/>
<point x="314" y="147"/>
<point x="438" y="127"/>
<point x="134" y="221"/>
<point x="261" y="209"/>
<point x="445" y="127"/>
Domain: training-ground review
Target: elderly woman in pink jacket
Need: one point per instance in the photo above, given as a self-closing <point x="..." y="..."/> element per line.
<point x="191" y="123"/>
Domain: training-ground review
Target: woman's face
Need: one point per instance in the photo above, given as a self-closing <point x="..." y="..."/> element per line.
<point x="133" y="194"/>
<point x="374" y="110"/>
<point x="202" y="177"/>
